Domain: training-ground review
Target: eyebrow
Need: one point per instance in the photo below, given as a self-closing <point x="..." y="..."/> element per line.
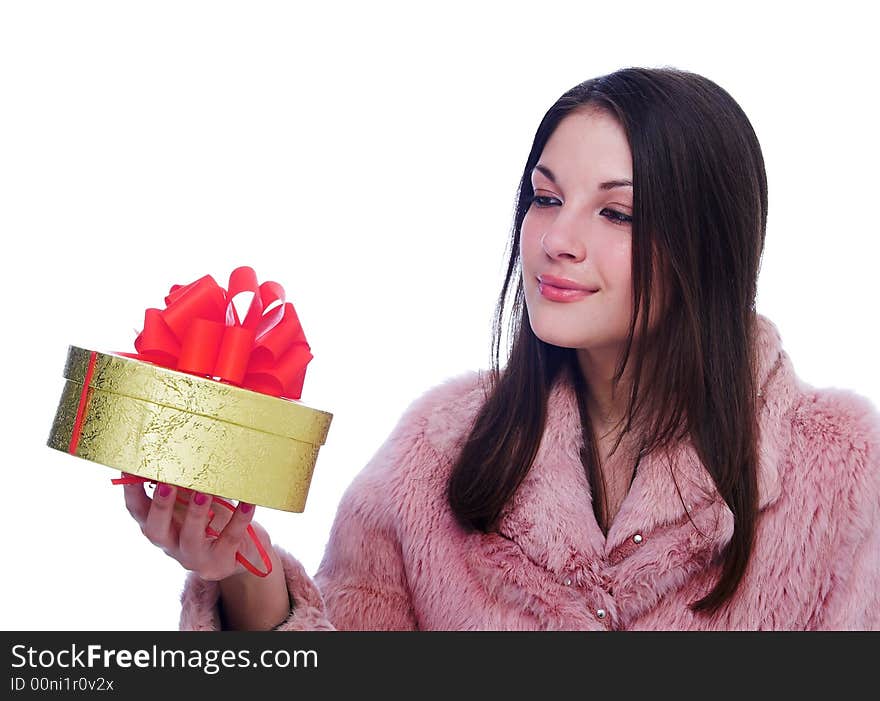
<point x="608" y="185"/>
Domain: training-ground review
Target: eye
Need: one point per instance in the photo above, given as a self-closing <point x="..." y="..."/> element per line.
<point x="615" y="217"/>
<point x="618" y="217"/>
<point x="540" y="201"/>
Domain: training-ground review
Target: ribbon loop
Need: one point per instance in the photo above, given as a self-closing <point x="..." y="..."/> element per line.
<point x="200" y="332"/>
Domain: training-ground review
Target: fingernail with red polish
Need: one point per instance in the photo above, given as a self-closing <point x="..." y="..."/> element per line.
<point x="164" y="490"/>
<point x="199" y="498"/>
<point x="244" y="507"/>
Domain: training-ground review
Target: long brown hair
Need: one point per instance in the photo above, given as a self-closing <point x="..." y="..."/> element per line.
<point x="699" y="217"/>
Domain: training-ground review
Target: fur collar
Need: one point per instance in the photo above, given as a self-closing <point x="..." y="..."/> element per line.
<point x="551" y="517"/>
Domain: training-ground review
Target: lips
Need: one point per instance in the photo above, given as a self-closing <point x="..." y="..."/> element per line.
<point x="562" y="294"/>
<point x="564" y="284"/>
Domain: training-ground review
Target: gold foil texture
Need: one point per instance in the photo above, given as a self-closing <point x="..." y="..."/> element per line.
<point x="190" y="431"/>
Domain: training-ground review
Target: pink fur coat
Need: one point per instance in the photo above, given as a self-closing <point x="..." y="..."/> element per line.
<point x="396" y="560"/>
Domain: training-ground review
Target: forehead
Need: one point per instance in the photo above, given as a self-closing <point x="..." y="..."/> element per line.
<point x="588" y="145"/>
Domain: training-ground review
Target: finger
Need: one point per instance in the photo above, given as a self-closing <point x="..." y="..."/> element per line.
<point x="136" y="501"/>
<point x="158" y="525"/>
<point x="194" y="544"/>
<point x="181" y="504"/>
<point x="232" y="536"/>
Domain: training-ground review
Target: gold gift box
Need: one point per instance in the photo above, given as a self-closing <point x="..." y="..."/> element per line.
<point x="189" y="431"/>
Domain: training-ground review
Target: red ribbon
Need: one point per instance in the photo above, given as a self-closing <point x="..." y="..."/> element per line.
<point x="81" y="406"/>
<point x="200" y="332"/>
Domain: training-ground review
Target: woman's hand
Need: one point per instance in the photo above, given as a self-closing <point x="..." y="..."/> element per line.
<point x="179" y="529"/>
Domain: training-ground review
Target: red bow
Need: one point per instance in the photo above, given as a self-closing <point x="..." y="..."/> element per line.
<point x="199" y="332"/>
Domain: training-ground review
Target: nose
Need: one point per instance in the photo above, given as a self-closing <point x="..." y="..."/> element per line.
<point x="560" y="242"/>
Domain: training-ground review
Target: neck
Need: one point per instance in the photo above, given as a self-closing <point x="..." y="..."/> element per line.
<point x="605" y="407"/>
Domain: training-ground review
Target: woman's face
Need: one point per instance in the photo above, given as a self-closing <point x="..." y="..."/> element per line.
<point x="579" y="228"/>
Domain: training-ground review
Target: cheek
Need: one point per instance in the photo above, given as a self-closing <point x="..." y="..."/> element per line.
<point x="527" y="230"/>
<point x="617" y="267"/>
<point x="529" y="241"/>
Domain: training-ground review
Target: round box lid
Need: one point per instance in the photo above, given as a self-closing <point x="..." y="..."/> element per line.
<point x="198" y="395"/>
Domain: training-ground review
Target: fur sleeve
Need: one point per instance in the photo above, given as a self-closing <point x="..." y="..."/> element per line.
<point x="853" y="600"/>
<point x="854" y="603"/>
<point x="199" y="599"/>
<point x="362" y="575"/>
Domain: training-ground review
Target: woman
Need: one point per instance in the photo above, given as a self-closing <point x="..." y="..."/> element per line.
<point x="646" y="459"/>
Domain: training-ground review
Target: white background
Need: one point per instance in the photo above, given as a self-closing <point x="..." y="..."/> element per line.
<point x="365" y="156"/>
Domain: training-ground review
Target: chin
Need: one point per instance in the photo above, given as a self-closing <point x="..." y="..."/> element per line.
<point x="562" y="341"/>
<point x="560" y="333"/>
<point x="559" y="337"/>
